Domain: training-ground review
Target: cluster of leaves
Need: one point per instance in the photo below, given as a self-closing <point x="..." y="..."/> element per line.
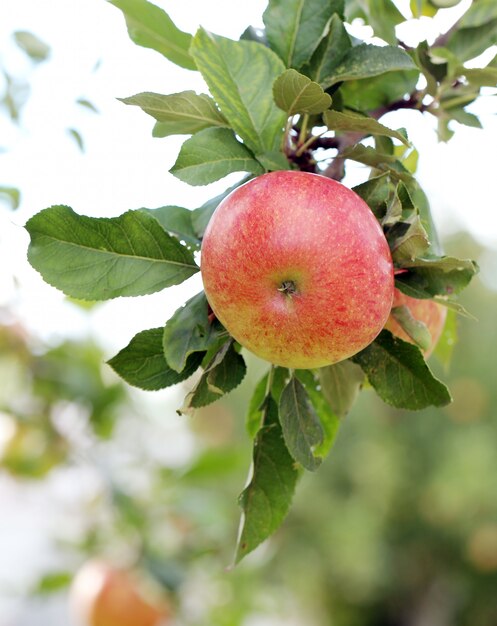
<point x="279" y="97"/>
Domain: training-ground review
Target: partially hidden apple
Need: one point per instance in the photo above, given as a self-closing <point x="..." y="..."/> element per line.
<point x="430" y="313"/>
<point x="103" y="595"/>
<point x="296" y="267"/>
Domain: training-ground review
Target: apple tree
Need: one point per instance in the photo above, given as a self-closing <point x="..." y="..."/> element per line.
<point x="303" y="94"/>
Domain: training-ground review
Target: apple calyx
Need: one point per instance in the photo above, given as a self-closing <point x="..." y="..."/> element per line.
<point x="288" y="287"/>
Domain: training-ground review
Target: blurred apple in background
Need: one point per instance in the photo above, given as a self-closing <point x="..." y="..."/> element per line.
<point x="102" y="595"/>
<point x="429" y="312"/>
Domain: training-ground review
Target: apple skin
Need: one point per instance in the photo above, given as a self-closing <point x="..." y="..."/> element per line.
<point x="297" y="268"/>
<point x="102" y="595"/>
<point x="427" y="311"/>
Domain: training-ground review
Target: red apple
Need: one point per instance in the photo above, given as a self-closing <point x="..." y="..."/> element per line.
<point x="297" y="268"/>
<point x="427" y="311"/>
<point x="102" y="595"/>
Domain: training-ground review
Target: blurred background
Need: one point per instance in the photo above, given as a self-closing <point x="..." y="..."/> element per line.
<point x="399" y="525"/>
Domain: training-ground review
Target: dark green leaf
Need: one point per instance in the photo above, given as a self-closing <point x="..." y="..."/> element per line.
<point x="355" y="122"/>
<point x="177" y="221"/>
<point x="379" y="160"/>
<point x="295" y="93"/>
<point x="142" y="364"/>
<point x="364" y="61"/>
<point x="417" y="330"/>
<point x="294" y="28"/>
<point x="428" y="277"/>
<point x="257" y="404"/>
<point x="330" y="51"/>
<point x="302" y="429"/>
<point x="267" y="498"/>
<point x="340" y="385"/>
<point x="212" y="154"/>
<point x="189" y="330"/>
<point x="181" y="113"/>
<point x="11" y="195"/>
<point x="32" y="45"/>
<point x="224" y="372"/>
<point x="101" y="258"/>
<point x="375" y="192"/>
<point x="328" y="419"/>
<point x="408" y="245"/>
<point x="151" y="27"/>
<point x="378" y="91"/>
<point x="397" y="371"/>
<point x="240" y="76"/>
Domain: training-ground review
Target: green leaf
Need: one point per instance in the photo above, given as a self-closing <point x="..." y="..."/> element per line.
<point x="183" y="113"/>
<point x="428" y="277"/>
<point x="267" y="498"/>
<point x="447" y="341"/>
<point x="294" y="28"/>
<point x="177" y="221"/>
<point x="274" y="161"/>
<point x="32" y="45"/>
<point x="53" y="582"/>
<point x="212" y="154"/>
<point x="398" y="373"/>
<point x="479" y="13"/>
<point x="142" y="363"/>
<point x="151" y="27"/>
<point x="256" y="408"/>
<point x="76" y="135"/>
<point x="383" y="16"/>
<point x="189" y="330"/>
<point x="417" y="330"/>
<point x="224" y="372"/>
<point x="11" y="195"/>
<point x="295" y="93"/>
<point x="87" y="105"/>
<point x="355" y="122"/>
<point x="328" y="419"/>
<point x="364" y="61"/>
<point x="379" y="160"/>
<point x="302" y="429"/>
<point x="480" y="76"/>
<point x="407" y="246"/>
<point x="330" y="51"/>
<point x="378" y="91"/>
<point x="468" y="43"/>
<point x="464" y="117"/>
<point x="375" y="192"/>
<point x="340" y="384"/>
<point x="240" y="76"/>
<point x="100" y="258"/>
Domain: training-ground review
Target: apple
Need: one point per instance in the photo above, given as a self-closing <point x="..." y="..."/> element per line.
<point x="102" y="595"/>
<point x="296" y="267"/>
<point x="431" y="313"/>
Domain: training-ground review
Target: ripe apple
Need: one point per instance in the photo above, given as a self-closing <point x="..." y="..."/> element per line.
<point x="427" y="311"/>
<point x="297" y="268"/>
<point x="102" y="595"/>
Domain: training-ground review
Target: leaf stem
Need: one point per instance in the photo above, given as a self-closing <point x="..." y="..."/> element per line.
<point x="303" y="129"/>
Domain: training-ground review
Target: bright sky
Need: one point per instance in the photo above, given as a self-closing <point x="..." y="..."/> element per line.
<point x="123" y="167"/>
